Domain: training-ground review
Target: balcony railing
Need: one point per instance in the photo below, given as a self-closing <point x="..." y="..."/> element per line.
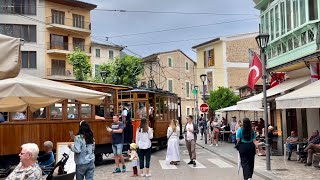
<point x="58" y="45"/>
<point x="68" y="22"/>
<point x="68" y="46"/>
<point x="59" y="72"/>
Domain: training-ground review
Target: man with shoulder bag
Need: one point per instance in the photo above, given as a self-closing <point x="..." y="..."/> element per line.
<point x="191" y="130"/>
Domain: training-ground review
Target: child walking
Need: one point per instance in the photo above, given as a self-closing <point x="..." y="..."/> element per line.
<point x="134" y="158"/>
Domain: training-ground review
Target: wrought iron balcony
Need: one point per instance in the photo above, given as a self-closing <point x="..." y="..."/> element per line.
<point x="67" y="23"/>
<point x="66" y="48"/>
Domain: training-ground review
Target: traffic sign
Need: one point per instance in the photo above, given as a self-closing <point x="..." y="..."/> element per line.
<point x="194" y="91"/>
<point x="204" y="107"/>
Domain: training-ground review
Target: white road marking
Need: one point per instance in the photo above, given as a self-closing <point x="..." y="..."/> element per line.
<point x="199" y="165"/>
<point x="164" y="165"/>
<point x="220" y="163"/>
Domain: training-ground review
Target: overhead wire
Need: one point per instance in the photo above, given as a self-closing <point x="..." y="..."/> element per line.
<point x="180" y="28"/>
<point x="141" y="11"/>
<point x="173" y="12"/>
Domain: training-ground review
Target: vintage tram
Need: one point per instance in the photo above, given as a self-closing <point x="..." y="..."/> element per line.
<point x="56" y="121"/>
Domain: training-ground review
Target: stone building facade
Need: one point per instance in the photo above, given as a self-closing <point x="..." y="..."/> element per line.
<point x="225" y="61"/>
<point x="175" y="72"/>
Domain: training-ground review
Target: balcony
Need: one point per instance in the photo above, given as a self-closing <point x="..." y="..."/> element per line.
<point x="66" y="48"/>
<point x="291" y="46"/>
<point x="54" y="22"/>
<point x="60" y="73"/>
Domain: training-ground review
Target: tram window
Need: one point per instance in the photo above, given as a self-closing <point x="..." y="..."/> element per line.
<point x="40" y="113"/>
<point x="72" y="111"/>
<point x="100" y="110"/>
<point x="142" y="112"/>
<point x="110" y="99"/>
<point x="56" y="111"/>
<point x="141" y="96"/>
<point x="86" y="111"/>
<point x="125" y="96"/>
<point x="110" y="110"/>
<point x="3" y="117"/>
<point x="19" y="116"/>
<point x="157" y="108"/>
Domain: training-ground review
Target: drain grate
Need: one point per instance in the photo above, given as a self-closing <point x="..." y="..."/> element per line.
<point x="280" y="169"/>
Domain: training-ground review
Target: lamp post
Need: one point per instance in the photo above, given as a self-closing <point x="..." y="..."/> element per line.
<point x="262" y="41"/>
<point x="203" y="78"/>
<point x="196" y="109"/>
<point x="103" y="75"/>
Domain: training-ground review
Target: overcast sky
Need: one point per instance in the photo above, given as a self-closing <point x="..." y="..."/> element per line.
<point x="110" y="24"/>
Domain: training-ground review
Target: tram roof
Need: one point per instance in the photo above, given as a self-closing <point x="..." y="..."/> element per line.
<point x="93" y="84"/>
<point x="151" y="91"/>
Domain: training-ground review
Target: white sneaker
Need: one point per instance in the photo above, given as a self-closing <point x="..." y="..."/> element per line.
<point x="216" y="144"/>
<point x="148" y="175"/>
<point x="211" y="145"/>
<point x="142" y="175"/>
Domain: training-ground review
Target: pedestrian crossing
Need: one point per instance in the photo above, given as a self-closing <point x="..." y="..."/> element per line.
<point x="205" y="163"/>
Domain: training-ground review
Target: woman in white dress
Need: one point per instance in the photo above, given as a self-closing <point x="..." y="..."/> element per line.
<point x="173" y="154"/>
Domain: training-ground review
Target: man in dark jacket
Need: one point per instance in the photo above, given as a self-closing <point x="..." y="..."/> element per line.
<point x="202" y="125"/>
<point x="191" y="130"/>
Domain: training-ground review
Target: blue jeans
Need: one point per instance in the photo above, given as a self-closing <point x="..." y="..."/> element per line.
<point x="291" y="147"/>
<point x="85" y="171"/>
<point x="144" y="153"/>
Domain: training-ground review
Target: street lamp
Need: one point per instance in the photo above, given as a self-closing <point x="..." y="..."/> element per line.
<point x="196" y="109"/>
<point x="203" y="78"/>
<point x="103" y="75"/>
<point x="262" y="41"/>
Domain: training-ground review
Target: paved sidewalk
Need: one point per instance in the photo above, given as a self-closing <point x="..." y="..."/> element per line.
<point x="280" y="168"/>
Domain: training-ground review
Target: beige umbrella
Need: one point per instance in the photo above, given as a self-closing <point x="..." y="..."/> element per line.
<point x="25" y="90"/>
<point x="10" y="62"/>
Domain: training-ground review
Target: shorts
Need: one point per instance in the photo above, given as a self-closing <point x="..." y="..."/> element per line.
<point x="117" y="149"/>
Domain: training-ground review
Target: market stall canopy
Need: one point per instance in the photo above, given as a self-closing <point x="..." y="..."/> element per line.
<point x="16" y="94"/>
<point x="226" y="109"/>
<point x="306" y="97"/>
<point x="255" y="102"/>
<point x="10" y="62"/>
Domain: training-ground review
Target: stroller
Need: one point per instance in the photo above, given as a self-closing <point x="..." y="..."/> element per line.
<point x="62" y="175"/>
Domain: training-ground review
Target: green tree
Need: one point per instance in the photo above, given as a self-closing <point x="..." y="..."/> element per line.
<point x="82" y="68"/>
<point x="221" y="98"/>
<point x="123" y="71"/>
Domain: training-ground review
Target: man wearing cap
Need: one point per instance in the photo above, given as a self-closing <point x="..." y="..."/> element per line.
<point x="233" y="129"/>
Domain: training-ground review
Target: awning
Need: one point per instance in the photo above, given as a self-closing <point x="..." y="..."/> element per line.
<point x="255" y="102"/>
<point x="306" y="97"/>
<point x="10" y="61"/>
<point x="230" y="108"/>
<point x="24" y="90"/>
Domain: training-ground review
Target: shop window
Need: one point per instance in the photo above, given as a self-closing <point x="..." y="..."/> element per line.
<point x="313" y="9"/>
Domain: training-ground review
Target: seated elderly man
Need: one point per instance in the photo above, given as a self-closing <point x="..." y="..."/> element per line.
<point x="313" y="139"/>
<point x="28" y="167"/>
<point x="47" y="159"/>
<point x="291" y="143"/>
<point x="312" y="147"/>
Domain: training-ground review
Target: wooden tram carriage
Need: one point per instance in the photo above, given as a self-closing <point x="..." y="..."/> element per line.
<point x="55" y="121"/>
